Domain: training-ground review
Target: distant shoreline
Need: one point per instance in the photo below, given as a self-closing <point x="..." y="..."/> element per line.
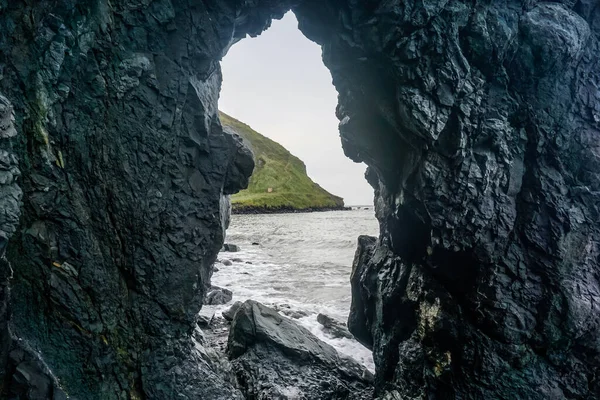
<point x="285" y="210"/>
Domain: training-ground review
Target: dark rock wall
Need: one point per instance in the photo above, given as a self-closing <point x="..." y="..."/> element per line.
<point x="125" y="172"/>
<point x="479" y="121"/>
<point x="10" y="198"/>
<point x="480" y="124"/>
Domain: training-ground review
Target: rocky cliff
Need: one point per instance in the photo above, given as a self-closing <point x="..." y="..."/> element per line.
<point x="125" y="173"/>
<point x="480" y="122"/>
<point x="279" y="181"/>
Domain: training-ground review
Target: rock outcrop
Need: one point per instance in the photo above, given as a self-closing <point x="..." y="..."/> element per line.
<point x="480" y="123"/>
<point x="10" y="198"/>
<point x="275" y="358"/>
<point x="125" y="173"/>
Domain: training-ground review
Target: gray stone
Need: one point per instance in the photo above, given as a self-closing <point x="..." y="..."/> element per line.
<point x="273" y="357"/>
<point x="230" y="312"/>
<point x="333" y="327"/>
<point x="205" y="317"/>
<point x="217" y="296"/>
<point x="232" y="248"/>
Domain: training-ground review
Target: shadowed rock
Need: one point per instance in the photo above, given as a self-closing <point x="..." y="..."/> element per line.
<point x="480" y="126"/>
<point x="125" y="171"/>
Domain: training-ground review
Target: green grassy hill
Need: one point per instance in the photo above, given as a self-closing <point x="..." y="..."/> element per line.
<point x="278" y="171"/>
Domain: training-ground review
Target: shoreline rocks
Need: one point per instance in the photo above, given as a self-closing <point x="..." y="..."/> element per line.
<point x="230" y="312"/>
<point x="217" y="296"/>
<point x="284" y="210"/>
<point x="275" y="358"/>
<point x="335" y="328"/>
<point x="230" y="248"/>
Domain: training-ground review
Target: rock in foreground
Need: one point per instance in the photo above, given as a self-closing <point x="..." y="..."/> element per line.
<point x="275" y="358"/>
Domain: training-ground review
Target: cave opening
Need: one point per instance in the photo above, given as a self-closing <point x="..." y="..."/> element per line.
<point x="479" y="123"/>
<point x="279" y="97"/>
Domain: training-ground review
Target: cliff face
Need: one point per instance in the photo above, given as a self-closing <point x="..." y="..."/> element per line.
<point x="281" y="172"/>
<point x="125" y="175"/>
<point x="480" y="124"/>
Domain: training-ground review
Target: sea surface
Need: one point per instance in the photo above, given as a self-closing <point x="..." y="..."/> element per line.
<point x="302" y="263"/>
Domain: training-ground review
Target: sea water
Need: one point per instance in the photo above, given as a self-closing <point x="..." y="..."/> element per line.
<point x="301" y="262"/>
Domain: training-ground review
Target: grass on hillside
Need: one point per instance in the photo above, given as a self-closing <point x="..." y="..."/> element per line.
<point x="278" y="169"/>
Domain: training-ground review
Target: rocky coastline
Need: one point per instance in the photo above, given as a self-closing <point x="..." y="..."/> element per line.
<point x="284" y="210"/>
<point x="267" y="355"/>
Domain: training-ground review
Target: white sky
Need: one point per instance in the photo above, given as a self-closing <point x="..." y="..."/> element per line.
<point x="278" y="85"/>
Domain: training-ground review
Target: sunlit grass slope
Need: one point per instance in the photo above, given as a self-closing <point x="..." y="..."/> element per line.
<point x="278" y="171"/>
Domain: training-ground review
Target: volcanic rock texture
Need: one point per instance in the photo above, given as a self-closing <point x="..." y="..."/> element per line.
<point x="125" y="172"/>
<point x="480" y="124"/>
<point x="480" y="121"/>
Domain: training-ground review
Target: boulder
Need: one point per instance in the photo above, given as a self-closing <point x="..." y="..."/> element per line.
<point x="217" y="296"/>
<point x="227" y="263"/>
<point x="230" y="313"/>
<point x="205" y="317"/>
<point x="286" y="310"/>
<point x="295" y="314"/>
<point x="333" y="327"/>
<point x="275" y="358"/>
<point x="231" y="248"/>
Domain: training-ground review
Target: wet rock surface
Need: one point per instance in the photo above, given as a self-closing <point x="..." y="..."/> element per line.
<point x="218" y="296"/>
<point x="230" y="312"/>
<point x="333" y="327"/>
<point x="479" y="122"/>
<point x="275" y="358"/>
<point x="10" y="198"/>
<point x="125" y="173"/>
<point x="232" y="248"/>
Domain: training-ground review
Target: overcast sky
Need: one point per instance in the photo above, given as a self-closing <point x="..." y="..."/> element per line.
<point x="278" y="85"/>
